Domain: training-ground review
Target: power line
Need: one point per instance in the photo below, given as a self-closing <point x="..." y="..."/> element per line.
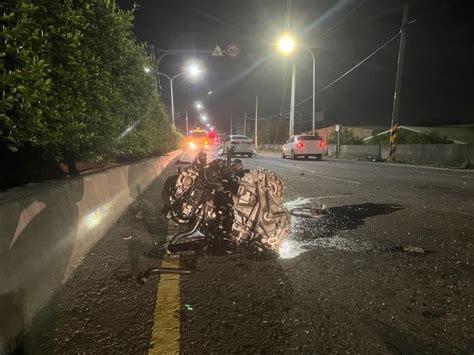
<point x="341" y="20"/>
<point x="359" y="64"/>
<point x="347" y="72"/>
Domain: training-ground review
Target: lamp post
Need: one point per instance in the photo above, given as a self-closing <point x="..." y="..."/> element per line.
<point x="286" y="44"/>
<point x="192" y="70"/>
<point x="187" y="124"/>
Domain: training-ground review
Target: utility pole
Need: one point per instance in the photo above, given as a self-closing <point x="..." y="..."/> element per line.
<point x="172" y="103"/>
<point x="187" y="124"/>
<point x="256" y="122"/>
<point x="398" y="83"/>
<point x="292" y="102"/>
<point x="245" y="123"/>
<point x="231" y="124"/>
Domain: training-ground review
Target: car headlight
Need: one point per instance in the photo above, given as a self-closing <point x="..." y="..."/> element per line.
<point x="192" y="145"/>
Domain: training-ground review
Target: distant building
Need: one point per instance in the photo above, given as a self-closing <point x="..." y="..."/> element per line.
<point x="459" y="134"/>
<point x="361" y="132"/>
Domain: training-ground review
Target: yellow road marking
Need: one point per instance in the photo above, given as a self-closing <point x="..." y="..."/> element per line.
<point x="165" y="332"/>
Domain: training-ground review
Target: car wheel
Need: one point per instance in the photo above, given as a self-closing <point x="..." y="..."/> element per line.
<point x="319" y="157"/>
<point x="293" y="155"/>
<point x="283" y="156"/>
<point x="250" y="155"/>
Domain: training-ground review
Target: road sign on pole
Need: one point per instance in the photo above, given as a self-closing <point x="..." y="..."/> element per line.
<point x="232" y="50"/>
<point x="217" y="52"/>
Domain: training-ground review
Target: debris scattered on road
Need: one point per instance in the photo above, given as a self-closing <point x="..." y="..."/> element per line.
<point x="188" y="307"/>
<point x="309" y="212"/>
<point x="415" y="250"/>
<point x="408" y="249"/>
<point x="127" y="237"/>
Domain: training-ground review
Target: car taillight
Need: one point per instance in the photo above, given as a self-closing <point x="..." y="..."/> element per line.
<point x="299" y="144"/>
<point x="322" y="144"/>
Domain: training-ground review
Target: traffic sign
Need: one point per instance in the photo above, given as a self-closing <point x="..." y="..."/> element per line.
<point x="232" y="50"/>
<point x="217" y="52"/>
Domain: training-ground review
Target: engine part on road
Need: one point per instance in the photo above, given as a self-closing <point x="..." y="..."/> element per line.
<point x="259" y="215"/>
<point x="225" y="207"/>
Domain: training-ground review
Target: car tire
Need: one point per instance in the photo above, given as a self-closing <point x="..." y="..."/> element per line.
<point x="319" y="157"/>
<point x="293" y="155"/>
<point x="283" y="156"/>
<point x="250" y="155"/>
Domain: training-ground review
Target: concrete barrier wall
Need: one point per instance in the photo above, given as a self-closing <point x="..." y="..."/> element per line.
<point x="449" y="155"/>
<point x="46" y="229"/>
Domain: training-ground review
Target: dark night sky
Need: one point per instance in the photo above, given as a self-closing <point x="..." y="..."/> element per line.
<point x="438" y="75"/>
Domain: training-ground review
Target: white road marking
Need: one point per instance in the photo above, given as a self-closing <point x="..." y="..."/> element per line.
<point x="333" y="178"/>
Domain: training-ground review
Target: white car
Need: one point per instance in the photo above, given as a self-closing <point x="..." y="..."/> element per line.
<point x="303" y="146"/>
<point x="243" y="145"/>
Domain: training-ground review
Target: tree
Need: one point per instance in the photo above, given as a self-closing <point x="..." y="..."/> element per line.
<point x="410" y="137"/>
<point x="74" y="83"/>
<point x="346" y="137"/>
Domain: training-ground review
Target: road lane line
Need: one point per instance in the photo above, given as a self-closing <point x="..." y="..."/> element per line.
<point x="333" y="178"/>
<point x="166" y="322"/>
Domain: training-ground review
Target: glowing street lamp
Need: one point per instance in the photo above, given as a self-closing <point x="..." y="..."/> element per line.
<point x="204" y="117"/>
<point x="198" y="105"/>
<point x="287" y="45"/>
<point x="192" y="70"/>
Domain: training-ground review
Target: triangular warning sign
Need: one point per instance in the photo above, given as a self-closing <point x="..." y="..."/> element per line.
<point x="217" y="52"/>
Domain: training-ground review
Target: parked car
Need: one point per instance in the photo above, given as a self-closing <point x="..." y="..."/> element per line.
<point x="303" y="146"/>
<point x="243" y="145"/>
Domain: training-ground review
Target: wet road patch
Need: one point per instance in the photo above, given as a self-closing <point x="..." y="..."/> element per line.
<point x="329" y="229"/>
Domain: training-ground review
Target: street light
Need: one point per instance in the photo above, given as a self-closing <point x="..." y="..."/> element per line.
<point x="193" y="70"/>
<point x="198" y="105"/>
<point x="286" y="44"/>
<point x="204" y="117"/>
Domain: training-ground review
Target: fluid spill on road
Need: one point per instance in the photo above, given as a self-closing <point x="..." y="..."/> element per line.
<point x="328" y="231"/>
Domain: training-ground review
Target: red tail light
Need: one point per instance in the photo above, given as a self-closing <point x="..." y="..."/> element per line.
<point x="299" y="144"/>
<point x="322" y="144"/>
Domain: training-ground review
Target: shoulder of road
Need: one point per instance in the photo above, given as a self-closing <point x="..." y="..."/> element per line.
<point x="396" y="164"/>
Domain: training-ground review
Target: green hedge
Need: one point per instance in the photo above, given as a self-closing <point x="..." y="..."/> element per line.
<point x="74" y="83"/>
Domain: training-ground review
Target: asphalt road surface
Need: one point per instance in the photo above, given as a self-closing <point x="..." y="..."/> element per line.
<point x="389" y="270"/>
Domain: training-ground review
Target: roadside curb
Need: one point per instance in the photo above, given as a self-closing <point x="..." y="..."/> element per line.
<point x="48" y="228"/>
